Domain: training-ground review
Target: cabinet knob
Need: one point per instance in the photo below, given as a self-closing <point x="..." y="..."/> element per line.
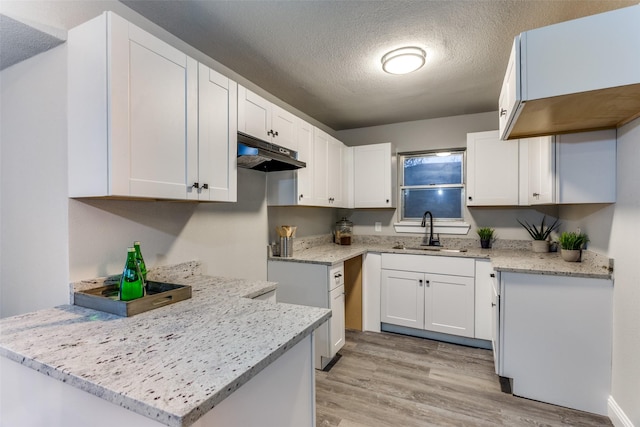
<point x="470" y="198"/>
<point x="492" y="275"/>
<point x="503" y="112"/>
<point x="427" y="282"/>
<point x="536" y="194"/>
<point x="493" y="304"/>
<point x="300" y="197"/>
<point x="196" y="185"/>
<point x="420" y="282"/>
<point x="205" y="186"/>
<point x="275" y="133"/>
<point x="387" y="200"/>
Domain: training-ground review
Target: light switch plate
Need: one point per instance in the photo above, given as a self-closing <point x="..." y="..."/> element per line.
<point x="378" y="226"/>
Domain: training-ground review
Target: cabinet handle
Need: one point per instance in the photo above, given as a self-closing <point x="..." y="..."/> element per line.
<point x="205" y="186"/>
<point x="196" y="185"/>
<point x="493" y="304"/>
<point x="270" y="132"/>
<point x="492" y="275"/>
<point x="503" y="112"/>
<point x="275" y="133"/>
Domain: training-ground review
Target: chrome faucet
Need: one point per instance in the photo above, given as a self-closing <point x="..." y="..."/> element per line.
<point x="431" y="241"/>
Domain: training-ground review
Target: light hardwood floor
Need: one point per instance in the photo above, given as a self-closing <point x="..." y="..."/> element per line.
<point x="389" y="380"/>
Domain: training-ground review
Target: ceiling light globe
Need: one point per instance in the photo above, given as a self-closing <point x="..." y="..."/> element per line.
<point x="404" y="60"/>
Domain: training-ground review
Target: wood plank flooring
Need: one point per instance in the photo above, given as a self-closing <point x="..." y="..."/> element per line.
<point x="389" y="380"/>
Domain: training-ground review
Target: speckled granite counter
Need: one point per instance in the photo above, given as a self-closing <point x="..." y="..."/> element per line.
<point x="172" y="364"/>
<point x="513" y="256"/>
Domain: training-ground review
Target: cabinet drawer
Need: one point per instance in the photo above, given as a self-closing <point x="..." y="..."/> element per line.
<point x="336" y="276"/>
<point x="430" y="264"/>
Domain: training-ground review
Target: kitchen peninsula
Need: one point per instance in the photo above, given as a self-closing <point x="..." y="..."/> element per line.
<point x="198" y="362"/>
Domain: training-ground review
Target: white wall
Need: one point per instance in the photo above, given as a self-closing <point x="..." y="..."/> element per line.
<point x="447" y="132"/>
<point x="34" y="272"/>
<point x="614" y="230"/>
<point x="309" y="220"/>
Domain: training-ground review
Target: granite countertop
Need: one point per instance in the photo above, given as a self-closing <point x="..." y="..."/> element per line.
<point x="172" y="364"/>
<point x="512" y="256"/>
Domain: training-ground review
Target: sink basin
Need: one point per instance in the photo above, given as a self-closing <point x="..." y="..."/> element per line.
<point x="429" y="248"/>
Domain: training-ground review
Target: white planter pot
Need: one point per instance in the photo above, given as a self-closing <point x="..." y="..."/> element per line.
<point x="540" y="246"/>
<point x="570" y="255"/>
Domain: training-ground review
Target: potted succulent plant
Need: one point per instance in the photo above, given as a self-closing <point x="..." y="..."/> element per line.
<point x="540" y="235"/>
<point x="571" y="244"/>
<point x="486" y="236"/>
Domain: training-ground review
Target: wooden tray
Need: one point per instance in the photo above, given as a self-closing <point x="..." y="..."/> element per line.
<point x="105" y="298"/>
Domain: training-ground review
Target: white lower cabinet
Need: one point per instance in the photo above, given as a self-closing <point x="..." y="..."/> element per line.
<point x="555" y="338"/>
<point x="316" y="285"/>
<point x="430" y="293"/>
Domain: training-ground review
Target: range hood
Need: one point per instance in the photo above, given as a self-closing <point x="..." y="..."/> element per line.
<point x="254" y="153"/>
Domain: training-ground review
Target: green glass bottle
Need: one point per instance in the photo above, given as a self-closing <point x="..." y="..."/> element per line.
<point x="131" y="282"/>
<point x="140" y="259"/>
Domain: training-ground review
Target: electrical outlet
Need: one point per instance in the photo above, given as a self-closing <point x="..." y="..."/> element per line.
<point x="378" y="226"/>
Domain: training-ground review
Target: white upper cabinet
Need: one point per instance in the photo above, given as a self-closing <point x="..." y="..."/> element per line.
<point x="586" y="167"/>
<point x="321" y="168"/>
<point x="296" y="187"/>
<point x="565" y="169"/>
<point x="264" y="120"/>
<point x="212" y="164"/>
<point x="492" y="170"/>
<point x="573" y="76"/>
<point x="133" y="117"/>
<point x="374" y="176"/>
<point x="541" y="170"/>
<point x="335" y="178"/>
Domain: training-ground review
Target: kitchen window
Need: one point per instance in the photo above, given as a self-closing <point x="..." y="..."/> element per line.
<point x="432" y="181"/>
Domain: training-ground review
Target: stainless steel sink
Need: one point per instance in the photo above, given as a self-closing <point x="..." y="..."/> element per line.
<point x="429" y="248"/>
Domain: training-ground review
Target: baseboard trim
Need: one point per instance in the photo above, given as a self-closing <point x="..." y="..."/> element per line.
<point x="617" y="415"/>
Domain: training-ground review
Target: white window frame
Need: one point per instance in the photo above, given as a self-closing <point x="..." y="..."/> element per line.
<point x="444" y="226"/>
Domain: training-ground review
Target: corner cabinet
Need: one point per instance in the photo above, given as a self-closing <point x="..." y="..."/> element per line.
<point x="264" y="120"/>
<point x="429" y="293"/>
<point x="374" y="168"/>
<point x="133" y="118"/>
<point x="564" y="169"/>
<point x="323" y="286"/>
<point x="555" y="83"/>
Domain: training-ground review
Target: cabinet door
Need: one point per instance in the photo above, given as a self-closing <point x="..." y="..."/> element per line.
<point x="334" y="172"/>
<point x="153" y="113"/>
<point x="320" y="168"/>
<point x="372" y="176"/>
<point x="284" y="126"/>
<point x="510" y="97"/>
<point x="492" y="170"/>
<point x="215" y="156"/>
<point x="541" y="170"/>
<point x="305" y="176"/>
<point x="337" y="327"/>
<point x="402" y="298"/>
<point x="449" y="304"/>
<point x="254" y="114"/>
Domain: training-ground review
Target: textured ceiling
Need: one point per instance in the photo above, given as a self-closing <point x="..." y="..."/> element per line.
<point x="323" y="56"/>
<point x="19" y="41"/>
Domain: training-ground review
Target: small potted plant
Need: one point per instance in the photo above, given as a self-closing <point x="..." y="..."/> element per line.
<point x="486" y="236"/>
<point x="571" y="244"/>
<point x="540" y="235"/>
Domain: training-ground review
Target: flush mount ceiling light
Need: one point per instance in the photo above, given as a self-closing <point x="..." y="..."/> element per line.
<point x="404" y="60"/>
